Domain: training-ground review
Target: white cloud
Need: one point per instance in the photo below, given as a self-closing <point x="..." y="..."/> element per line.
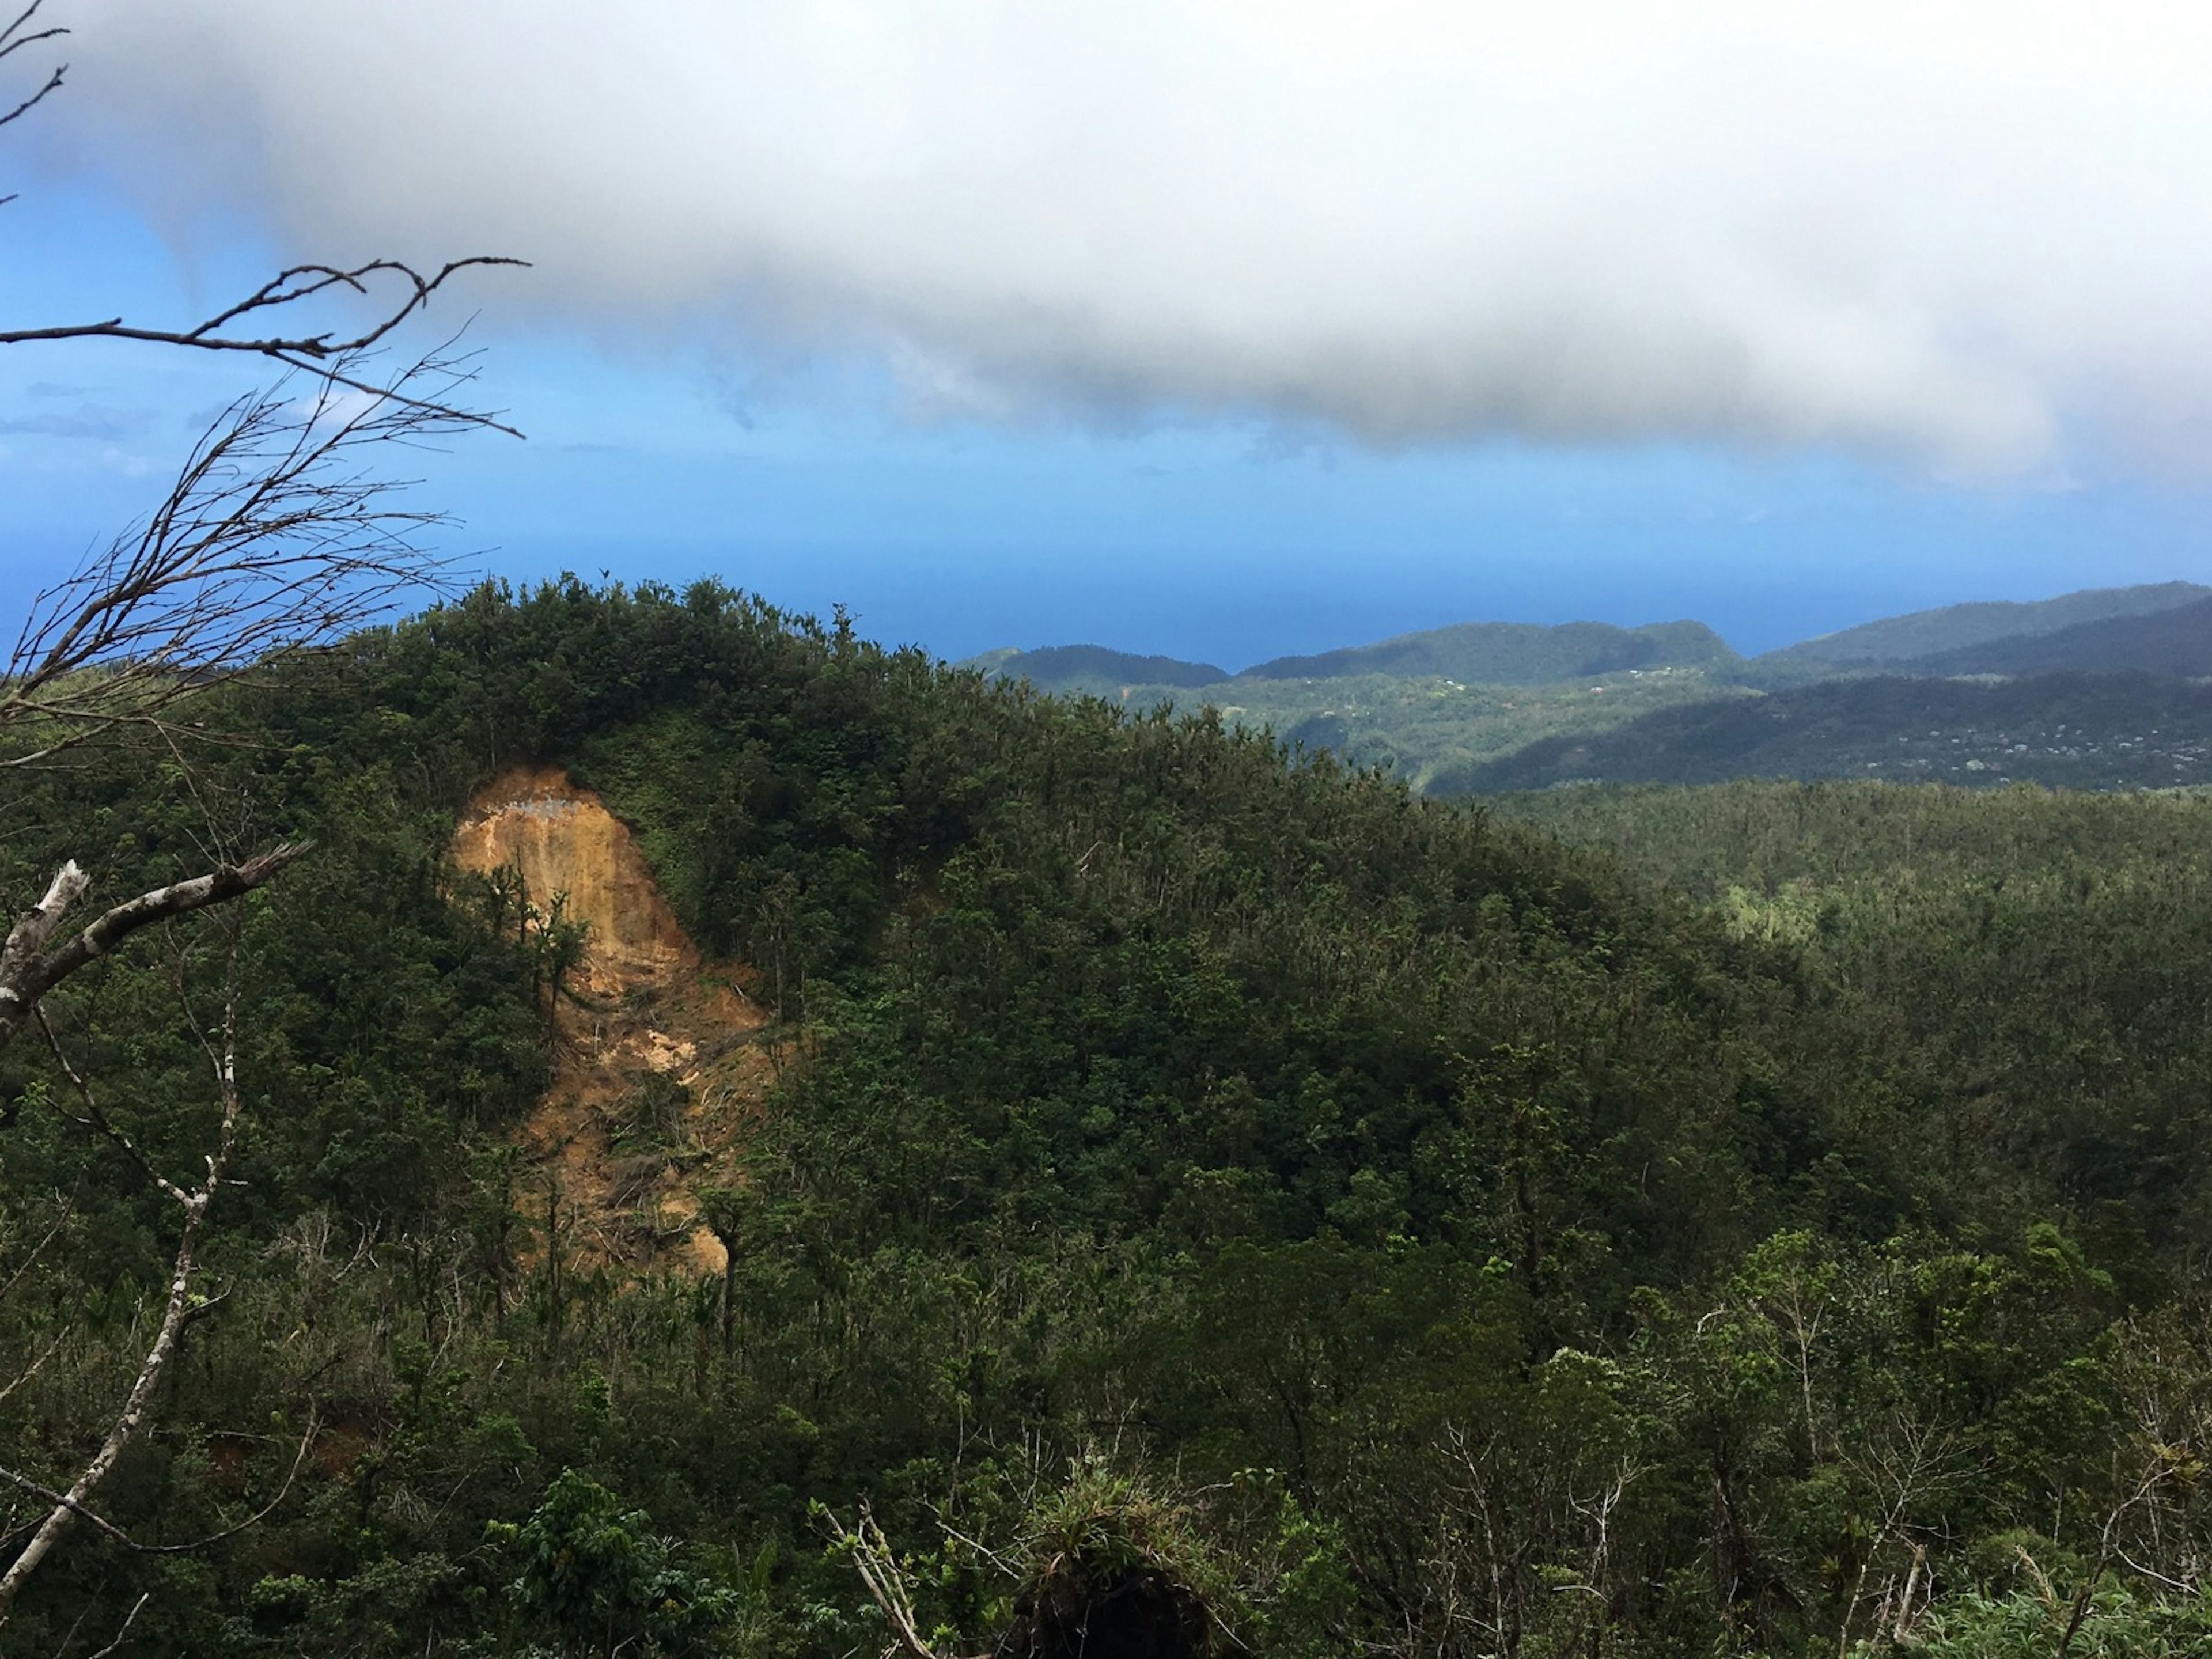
<point x="1970" y="234"/>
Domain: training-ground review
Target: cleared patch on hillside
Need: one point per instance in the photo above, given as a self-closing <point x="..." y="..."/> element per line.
<point x="660" y="1064"/>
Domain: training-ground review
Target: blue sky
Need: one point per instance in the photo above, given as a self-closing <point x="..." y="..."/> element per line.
<point x="1260" y="507"/>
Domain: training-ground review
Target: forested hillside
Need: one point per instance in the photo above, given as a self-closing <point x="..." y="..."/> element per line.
<point x="1193" y="1178"/>
<point x="1096" y="670"/>
<point x="1513" y="654"/>
<point x="2106" y="700"/>
<point x="2097" y="732"/>
<point x="1895" y="641"/>
<point x="2178" y="640"/>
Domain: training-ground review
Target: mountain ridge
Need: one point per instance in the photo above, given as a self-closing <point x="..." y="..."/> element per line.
<point x="1915" y="635"/>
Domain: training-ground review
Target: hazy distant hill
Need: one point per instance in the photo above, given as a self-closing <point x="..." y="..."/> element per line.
<point x="2072" y="730"/>
<point x="1094" y="668"/>
<point x="2171" y="642"/>
<point x="1494" y="706"/>
<point x="1514" y="653"/>
<point x="1924" y="634"/>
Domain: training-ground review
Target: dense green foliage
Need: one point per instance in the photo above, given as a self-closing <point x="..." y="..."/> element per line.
<point x="1402" y="1230"/>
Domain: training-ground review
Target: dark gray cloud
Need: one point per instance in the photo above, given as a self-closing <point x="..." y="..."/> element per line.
<point x="1948" y="229"/>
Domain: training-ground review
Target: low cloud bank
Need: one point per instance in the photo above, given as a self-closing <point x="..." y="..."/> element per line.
<point x="1975" y="236"/>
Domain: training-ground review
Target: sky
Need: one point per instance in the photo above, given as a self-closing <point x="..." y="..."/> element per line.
<point x="1219" y="328"/>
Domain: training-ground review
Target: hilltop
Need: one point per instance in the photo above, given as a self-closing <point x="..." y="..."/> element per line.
<point x="1093" y="669"/>
<point x="715" y="1073"/>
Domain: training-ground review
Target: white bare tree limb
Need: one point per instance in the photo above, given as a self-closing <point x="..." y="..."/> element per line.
<point x="182" y="1305"/>
<point x="29" y="969"/>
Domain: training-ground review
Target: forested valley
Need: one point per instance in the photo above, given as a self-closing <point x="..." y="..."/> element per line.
<point x="1194" y="1198"/>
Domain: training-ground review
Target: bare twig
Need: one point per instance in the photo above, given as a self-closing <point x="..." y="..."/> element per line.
<point x="95" y="1118"/>
<point x="178" y="1312"/>
<point x="13" y="38"/>
<point x="35" y="1366"/>
<point x="124" y="1629"/>
<point x="69" y="1208"/>
<point x="324" y="354"/>
<point x="273" y="540"/>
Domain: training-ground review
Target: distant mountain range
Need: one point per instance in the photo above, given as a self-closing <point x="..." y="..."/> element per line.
<point x="1473" y="654"/>
<point x="2160" y="627"/>
<point x="2091" y="689"/>
<point x="1925" y="636"/>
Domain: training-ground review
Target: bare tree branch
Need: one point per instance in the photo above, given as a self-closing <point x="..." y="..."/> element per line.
<point x="95" y="1118"/>
<point x="288" y="288"/>
<point x="318" y="351"/>
<point x="17" y="35"/>
<point x="20" y="34"/>
<point x="13" y="38"/>
<point x="878" y="1564"/>
<point x="274" y="539"/>
<point x="324" y="354"/>
<point x="123" y="1630"/>
<point x="100" y="1523"/>
<point x="68" y="1209"/>
<point x="34" y="1367"/>
<point x="28" y="969"/>
<point x="222" y="1053"/>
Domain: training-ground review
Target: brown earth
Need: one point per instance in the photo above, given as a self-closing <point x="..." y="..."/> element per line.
<point x="625" y="1155"/>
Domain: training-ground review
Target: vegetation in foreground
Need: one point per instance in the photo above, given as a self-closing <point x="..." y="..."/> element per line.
<point x="1374" y="1225"/>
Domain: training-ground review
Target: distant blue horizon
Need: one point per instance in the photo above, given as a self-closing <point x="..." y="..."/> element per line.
<point x="956" y="606"/>
<point x="1229" y="541"/>
<point x="1237" y="610"/>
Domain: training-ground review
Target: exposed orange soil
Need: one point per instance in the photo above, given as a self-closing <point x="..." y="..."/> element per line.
<point x="648" y="1006"/>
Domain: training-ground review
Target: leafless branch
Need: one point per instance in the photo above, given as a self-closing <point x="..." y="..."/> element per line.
<point x="123" y="1630"/>
<point x="323" y="353"/>
<point x="69" y="1208"/>
<point x="876" y="1562"/>
<point x="274" y="539"/>
<point x="178" y="1312"/>
<point x="19" y="33"/>
<point x="28" y="969"/>
<point x="100" y="1523"/>
<point x="34" y="1367"/>
<point x="95" y="1118"/>
<point x="14" y="38"/>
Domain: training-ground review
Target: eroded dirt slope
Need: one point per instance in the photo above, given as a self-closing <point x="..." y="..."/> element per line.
<point x="660" y="1064"/>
